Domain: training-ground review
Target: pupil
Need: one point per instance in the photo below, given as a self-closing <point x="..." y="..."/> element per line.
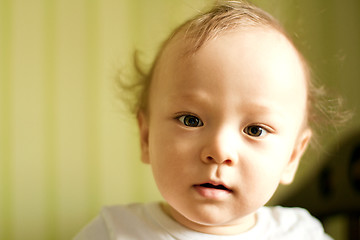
<point x="256" y="131"/>
<point x="191" y="121"/>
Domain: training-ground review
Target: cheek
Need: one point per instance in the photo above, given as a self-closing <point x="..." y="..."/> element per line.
<point x="172" y="158"/>
<point x="265" y="165"/>
<point x="168" y="142"/>
<point x="259" y="184"/>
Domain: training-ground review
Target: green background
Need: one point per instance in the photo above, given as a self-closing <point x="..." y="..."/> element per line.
<point x="66" y="145"/>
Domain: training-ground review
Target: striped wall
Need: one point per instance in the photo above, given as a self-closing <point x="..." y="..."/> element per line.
<point x="66" y="148"/>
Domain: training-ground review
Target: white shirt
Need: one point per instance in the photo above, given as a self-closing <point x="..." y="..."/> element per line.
<point x="148" y="221"/>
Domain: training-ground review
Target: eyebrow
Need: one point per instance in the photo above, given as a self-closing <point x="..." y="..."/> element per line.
<point x="252" y="108"/>
<point x="264" y="108"/>
<point x="191" y="97"/>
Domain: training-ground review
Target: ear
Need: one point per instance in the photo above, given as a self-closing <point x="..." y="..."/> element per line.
<point x="144" y="136"/>
<point x="298" y="151"/>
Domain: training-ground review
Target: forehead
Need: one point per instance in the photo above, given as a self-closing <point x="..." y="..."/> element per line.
<point x="252" y="59"/>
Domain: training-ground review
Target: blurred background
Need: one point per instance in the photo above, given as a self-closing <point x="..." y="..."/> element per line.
<point x="67" y="146"/>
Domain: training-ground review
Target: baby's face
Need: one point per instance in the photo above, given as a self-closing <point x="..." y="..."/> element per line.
<point x="225" y="127"/>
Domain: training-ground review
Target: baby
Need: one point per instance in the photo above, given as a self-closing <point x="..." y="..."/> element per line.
<point x="224" y="119"/>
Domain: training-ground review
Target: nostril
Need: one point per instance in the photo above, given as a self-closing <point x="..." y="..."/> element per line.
<point x="209" y="158"/>
<point x="228" y="162"/>
<point x="212" y="159"/>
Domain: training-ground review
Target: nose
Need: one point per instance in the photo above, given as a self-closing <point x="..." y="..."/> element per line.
<point x="221" y="147"/>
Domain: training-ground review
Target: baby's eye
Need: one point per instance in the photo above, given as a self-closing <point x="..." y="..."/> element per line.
<point x="190" y="121"/>
<point x="255" y="131"/>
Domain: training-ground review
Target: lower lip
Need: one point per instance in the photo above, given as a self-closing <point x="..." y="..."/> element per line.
<point x="212" y="193"/>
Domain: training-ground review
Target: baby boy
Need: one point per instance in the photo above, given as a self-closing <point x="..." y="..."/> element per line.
<point x="223" y="119"/>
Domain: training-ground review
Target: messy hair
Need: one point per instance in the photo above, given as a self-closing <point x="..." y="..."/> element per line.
<point x="225" y="16"/>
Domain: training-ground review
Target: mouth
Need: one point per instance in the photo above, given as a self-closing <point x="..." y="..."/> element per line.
<point x="213" y="191"/>
<point x="215" y="186"/>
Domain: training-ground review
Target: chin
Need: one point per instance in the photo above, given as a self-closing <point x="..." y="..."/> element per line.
<point x="211" y="218"/>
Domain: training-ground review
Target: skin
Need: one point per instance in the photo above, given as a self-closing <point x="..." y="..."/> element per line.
<point x="232" y="115"/>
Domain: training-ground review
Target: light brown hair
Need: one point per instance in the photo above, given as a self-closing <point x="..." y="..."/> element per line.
<point x="226" y="16"/>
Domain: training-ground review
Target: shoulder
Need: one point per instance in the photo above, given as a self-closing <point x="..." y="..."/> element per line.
<point x="121" y="222"/>
<point x="290" y="216"/>
<point x="96" y="229"/>
<point x="111" y="219"/>
<point x="294" y="223"/>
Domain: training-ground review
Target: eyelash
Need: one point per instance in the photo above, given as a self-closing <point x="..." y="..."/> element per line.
<point x="261" y="131"/>
<point x="190" y="120"/>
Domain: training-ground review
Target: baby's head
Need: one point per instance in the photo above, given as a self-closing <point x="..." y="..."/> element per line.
<point x="227" y="16"/>
<point x="224" y="117"/>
